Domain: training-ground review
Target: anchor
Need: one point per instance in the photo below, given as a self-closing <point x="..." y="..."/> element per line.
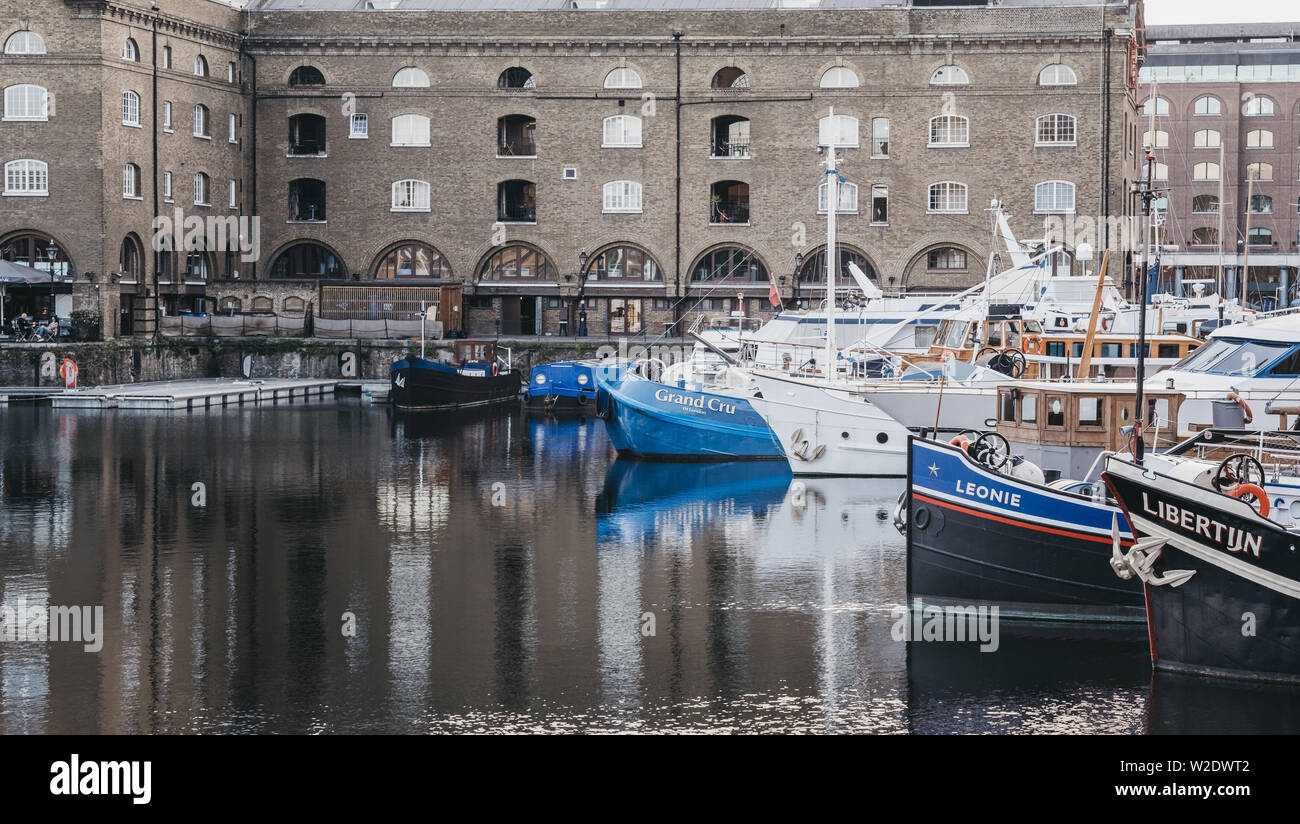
<point x="799" y="447"/>
<point x="1140" y="558"/>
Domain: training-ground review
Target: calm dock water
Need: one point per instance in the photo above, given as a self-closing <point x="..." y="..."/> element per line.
<point x="352" y="569"/>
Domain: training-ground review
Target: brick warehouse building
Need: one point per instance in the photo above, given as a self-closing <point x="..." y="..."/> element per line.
<point x="1227" y="136"/>
<point x="650" y="158"/>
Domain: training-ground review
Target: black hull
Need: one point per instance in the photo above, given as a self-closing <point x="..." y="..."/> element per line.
<point x="414" y="388"/>
<point x="1238" y="615"/>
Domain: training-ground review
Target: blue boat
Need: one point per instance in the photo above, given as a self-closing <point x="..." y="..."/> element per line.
<point x="648" y="419"/>
<point x="564" y="387"/>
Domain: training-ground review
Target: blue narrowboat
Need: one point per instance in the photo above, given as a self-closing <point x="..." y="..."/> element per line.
<point x="564" y="387"/>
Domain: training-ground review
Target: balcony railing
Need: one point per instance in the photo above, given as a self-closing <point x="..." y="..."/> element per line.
<point x="730" y="211"/>
<point x="518" y="213"/>
<point x="517" y="148"/>
<point x="730" y="148"/>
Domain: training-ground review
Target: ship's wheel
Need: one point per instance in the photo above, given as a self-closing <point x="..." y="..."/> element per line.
<point x="1236" y="470"/>
<point x="991" y="449"/>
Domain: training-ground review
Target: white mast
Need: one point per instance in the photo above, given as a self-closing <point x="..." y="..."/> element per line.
<point x="832" y="205"/>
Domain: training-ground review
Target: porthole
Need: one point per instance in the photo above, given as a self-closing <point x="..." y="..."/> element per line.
<point x="882" y="437"/>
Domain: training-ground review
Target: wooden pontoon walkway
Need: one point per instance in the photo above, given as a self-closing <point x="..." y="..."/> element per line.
<point x="199" y="393"/>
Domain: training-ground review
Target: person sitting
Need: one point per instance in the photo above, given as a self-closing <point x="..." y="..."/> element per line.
<point x="23" y="327"/>
<point x="48" y="331"/>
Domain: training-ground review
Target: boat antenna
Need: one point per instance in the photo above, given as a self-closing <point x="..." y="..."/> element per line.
<point x="1148" y="199"/>
<point x="832" y="259"/>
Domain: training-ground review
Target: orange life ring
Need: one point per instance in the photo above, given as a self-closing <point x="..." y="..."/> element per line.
<point x="496" y="370"/>
<point x="1105" y="323"/>
<point x="1260" y="495"/>
<point x="1245" y="407"/>
<point x="961" y="441"/>
<point x="1031" y="344"/>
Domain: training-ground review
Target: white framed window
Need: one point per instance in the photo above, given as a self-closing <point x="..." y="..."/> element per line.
<point x="24" y="42"/>
<point x="847" y="194"/>
<point x="230" y="72"/>
<point x="167" y="186"/>
<point x="947" y="197"/>
<point x="1205" y="107"/>
<point x="410" y="78"/>
<point x="359" y="126"/>
<point x="880" y="137"/>
<point x="1155" y="140"/>
<point x="879" y="205"/>
<point x="201" y="189"/>
<point x="411" y="196"/>
<point x="1162" y="171"/>
<point x="27" y="178"/>
<point x="839" y="77"/>
<point x="1206" y="139"/>
<point x="838" y="130"/>
<point x="1057" y="74"/>
<point x="1056" y="130"/>
<point x="623" y="78"/>
<point x="622" y="196"/>
<point x="1259" y="171"/>
<point x="167" y="116"/>
<point x="200" y="120"/>
<point x="232" y="190"/>
<point x="232" y="128"/>
<point x="1202" y="171"/>
<point x="1258" y="107"/>
<point x="200" y="66"/>
<point x="130" y="109"/>
<point x="622" y="130"/>
<point x="166" y="57"/>
<point x="949" y="76"/>
<point x="27" y="101"/>
<point x="1158" y="106"/>
<point x="410" y="130"/>
<point x="1259" y="139"/>
<point x="130" y="51"/>
<point x="131" y="181"/>
<point x="949" y="130"/>
<point x="1054" y="196"/>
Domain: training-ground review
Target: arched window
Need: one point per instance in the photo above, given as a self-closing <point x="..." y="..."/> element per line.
<point x="306" y="134"/>
<point x="1055" y="130"/>
<point x="1204" y="171"/>
<point x="410" y="78"/>
<point x="131" y="181"/>
<point x="1057" y="74"/>
<point x="1205" y="236"/>
<point x="1259" y="139"/>
<point x="411" y="196"/>
<point x="847" y="193"/>
<point x="262" y="303"/>
<point x="1259" y="107"/>
<point x="729" y="202"/>
<point x="839" y="77"/>
<point x="200" y="66"/>
<point x="307" y="260"/>
<point x="622" y="130"/>
<point x="949" y="76"/>
<point x="517" y="262"/>
<point x="1207" y="106"/>
<point x="946" y="259"/>
<point x="1158" y="139"/>
<point x="622" y="196"/>
<point x="413" y="260"/>
<point x="26" y="102"/>
<point x="1260" y="236"/>
<point x="306" y="76"/>
<point x="27" y="178"/>
<point x="295" y="306"/>
<point x="949" y="130"/>
<point x="730" y="263"/>
<point x="730" y="136"/>
<point x="1261" y="205"/>
<point x="130" y="109"/>
<point x="1206" y="139"/>
<point x="1162" y="171"/>
<point x="1157" y="105"/>
<point x="624" y="263"/>
<point x="130" y="51"/>
<point x="813" y="269"/>
<point x="623" y="78"/>
<point x="1259" y="171"/>
<point x="410" y="130"/>
<point x="24" y="42"/>
<point x="1054" y="196"/>
<point x="947" y="197"/>
<point x="730" y="77"/>
<point x="130" y="259"/>
<point x="516" y="77"/>
<point x="517" y="201"/>
<point x="1205" y="204"/>
<point x="202" y="189"/>
<point x="201" y="121"/>
<point x="838" y="130"/>
<point x="307" y="199"/>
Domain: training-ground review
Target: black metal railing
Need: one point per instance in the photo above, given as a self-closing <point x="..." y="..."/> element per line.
<point x="730" y="211"/>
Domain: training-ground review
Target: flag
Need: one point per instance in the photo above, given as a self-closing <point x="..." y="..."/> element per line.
<point x="773" y="296"/>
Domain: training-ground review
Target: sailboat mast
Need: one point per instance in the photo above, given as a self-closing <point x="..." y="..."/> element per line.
<point x="832" y="204"/>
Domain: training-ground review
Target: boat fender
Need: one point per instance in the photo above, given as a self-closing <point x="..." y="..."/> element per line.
<point x="496" y="370"/>
<point x="1245" y="407"/>
<point x="1251" y="489"/>
<point x="960" y="441"/>
<point x="1105" y="323"/>
<point x="1024" y="470"/>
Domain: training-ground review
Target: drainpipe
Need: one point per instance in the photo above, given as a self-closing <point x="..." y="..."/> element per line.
<point x="252" y="129"/>
<point x="677" y="224"/>
<point x="153" y="129"/>
<point x="1105" y="140"/>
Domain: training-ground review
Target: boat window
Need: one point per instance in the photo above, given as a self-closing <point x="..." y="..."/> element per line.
<point x="1157" y="411"/>
<point x="1055" y="412"/>
<point x="1056" y="349"/>
<point x="1089" y="411"/>
<point x="1078" y="349"/>
<point x="1008" y="406"/>
<point x="1289" y="365"/>
<point x="1033" y="327"/>
<point x="1167" y="350"/>
<point x="1029" y="409"/>
<point x="1013" y="335"/>
<point x="1111" y="350"/>
<point x="1249" y="358"/>
<point x="995" y="334"/>
<point x="956" y="336"/>
<point x="1205" y="356"/>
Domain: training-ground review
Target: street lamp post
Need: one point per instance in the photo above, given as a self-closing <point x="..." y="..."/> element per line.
<point x="582" y="293"/>
<point x="52" y="252"/>
<point x="798" y="268"/>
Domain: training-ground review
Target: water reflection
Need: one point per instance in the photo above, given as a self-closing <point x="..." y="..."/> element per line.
<point x="354" y="569"/>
